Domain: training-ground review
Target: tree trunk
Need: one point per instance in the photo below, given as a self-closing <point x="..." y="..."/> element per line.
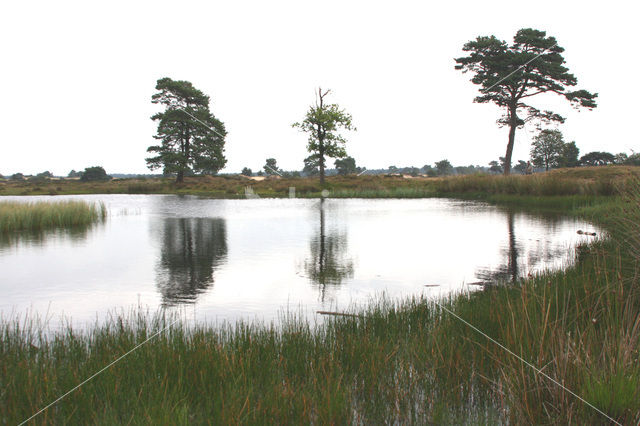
<point x="184" y="162"/>
<point x="321" y="164"/>
<point x="321" y="141"/>
<point x="513" y="124"/>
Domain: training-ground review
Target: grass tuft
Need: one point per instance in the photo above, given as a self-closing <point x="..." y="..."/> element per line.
<point x="38" y="216"/>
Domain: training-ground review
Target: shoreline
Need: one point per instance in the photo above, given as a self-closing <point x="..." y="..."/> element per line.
<point x="409" y="362"/>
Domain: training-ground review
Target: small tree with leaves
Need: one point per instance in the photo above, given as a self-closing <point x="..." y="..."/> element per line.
<point x="495" y="167"/>
<point x="322" y="123"/>
<point x="633" y="159"/>
<point x="521" y="167"/>
<point x="621" y="158"/>
<point x="346" y="166"/>
<point x="509" y="75"/>
<point x="311" y="166"/>
<point x="246" y="172"/>
<point x="546" y="149"/>
<point x="96" y="173"/>
<point x="411" y="171"/>
<point x="271" y="167"/>
<point x="444" y="167"/>
<point x="569" y="155"/>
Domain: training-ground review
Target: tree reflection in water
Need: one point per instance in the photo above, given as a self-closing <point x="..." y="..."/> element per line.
<point x="513" y="268"/>
<point x="192" y="248"/>
<point x="327" y="265"/>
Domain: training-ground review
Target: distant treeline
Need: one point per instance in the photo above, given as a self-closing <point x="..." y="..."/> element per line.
<point x="347" y="166"/>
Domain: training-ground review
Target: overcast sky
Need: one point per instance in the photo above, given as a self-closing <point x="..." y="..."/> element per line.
<point x="78" y="77"/>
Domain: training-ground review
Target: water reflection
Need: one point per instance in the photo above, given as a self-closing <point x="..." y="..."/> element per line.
<point x="75" y="234"/>
<point x="537" y="253"/>
<point x="191" y="250"/>
<point x="266" y="255"/>
<point x="327" y="265"/>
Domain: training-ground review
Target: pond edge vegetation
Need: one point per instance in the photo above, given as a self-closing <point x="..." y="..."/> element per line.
<point x="38" y="216"/>
<point x="579" y="181"/>
<point x="396" y="362"/>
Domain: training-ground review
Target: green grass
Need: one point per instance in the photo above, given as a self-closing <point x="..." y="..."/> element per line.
<point x="39" y="216"/>
<point x="581" y="181"/>
<point x="407" y="362"/>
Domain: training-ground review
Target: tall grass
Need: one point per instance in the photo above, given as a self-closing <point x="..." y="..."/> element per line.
<point x="544" y="184"/>
<point x="580" y="181"/>
<point x="407" y="362"/>
<point x="37" y="216"/>
<point x="368" y="371"/>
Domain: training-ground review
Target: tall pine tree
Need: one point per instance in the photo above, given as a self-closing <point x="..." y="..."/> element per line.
<point x="191" y="138"/>
<point x="508" y="75"/>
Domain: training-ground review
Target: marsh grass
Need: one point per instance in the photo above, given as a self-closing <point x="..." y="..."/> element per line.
<point x="398" y="362"/>
<point x="588" y="181"/>
<point x="581" y="181"/>
<point x="402" y="362"/>
<point x="39" y="216"/>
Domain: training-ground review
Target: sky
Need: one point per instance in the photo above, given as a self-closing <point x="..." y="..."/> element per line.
<point x="78" y="78"/>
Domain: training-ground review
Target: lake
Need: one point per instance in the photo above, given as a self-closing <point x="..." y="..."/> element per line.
<point x="220" y="260"/>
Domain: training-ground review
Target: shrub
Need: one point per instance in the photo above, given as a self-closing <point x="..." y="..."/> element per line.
<point x="94" y="174"/>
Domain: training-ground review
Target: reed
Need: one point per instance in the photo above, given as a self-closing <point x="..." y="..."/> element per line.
<point x="581" y="181"/>
<point x="38" y="216"/>
<point x="404" y="362"/>
<point x="556" y="183"/>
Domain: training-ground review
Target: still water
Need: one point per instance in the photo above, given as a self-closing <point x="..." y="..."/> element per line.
<point x="220" y="260"/>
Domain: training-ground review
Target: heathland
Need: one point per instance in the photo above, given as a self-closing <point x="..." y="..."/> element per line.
<point x="410" y="361"/>
<point x="580" y="181"/>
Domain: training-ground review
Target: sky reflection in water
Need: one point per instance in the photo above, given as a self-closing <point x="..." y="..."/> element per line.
<point x="229" y="259"/>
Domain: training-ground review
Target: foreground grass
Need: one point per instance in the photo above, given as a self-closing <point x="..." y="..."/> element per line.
<point x="406" y="362"/>
<point x="39" y="216"/>
<point x="409" y="362"/>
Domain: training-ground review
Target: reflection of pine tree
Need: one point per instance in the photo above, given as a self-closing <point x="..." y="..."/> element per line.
<point x="327" y="265"/>
<point x="511" y="269"/>
<point x="192" y="248"/>
<point x="508" y="272"/>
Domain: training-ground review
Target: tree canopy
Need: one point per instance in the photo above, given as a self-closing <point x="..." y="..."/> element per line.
<point x="597" y="158"/>
<point x="569" y="155"/>
<point x="346" y="166"/>
<point x="521" y="167"/>
<point x="509" y="74"/>
<point x="191" y="138"/>
<point x="444" y="167"/>
<point x="547" y="148"/>
<point x="96" y="173"/>
<point x="322" y="124"/>
<point x="271" y="167"/>
<point x="633" y="159"/>
<point x="495" y="167"/>
<point x="311" y="166"/>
